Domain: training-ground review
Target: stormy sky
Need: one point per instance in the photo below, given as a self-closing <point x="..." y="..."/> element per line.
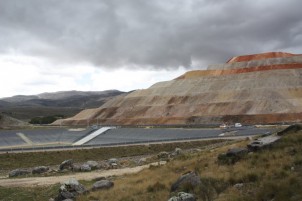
<point x="55" y="45"/>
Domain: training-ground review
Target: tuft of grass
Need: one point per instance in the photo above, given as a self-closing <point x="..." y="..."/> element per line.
<point x="156" y="187"/>
<point x="28" y="194"/>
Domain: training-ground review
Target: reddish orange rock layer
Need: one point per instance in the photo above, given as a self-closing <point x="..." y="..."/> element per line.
<point x="252" y="57"/>
<point x="200" y="73"/>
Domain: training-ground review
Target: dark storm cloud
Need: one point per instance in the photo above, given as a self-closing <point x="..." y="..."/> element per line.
<point x="148" y="34"/>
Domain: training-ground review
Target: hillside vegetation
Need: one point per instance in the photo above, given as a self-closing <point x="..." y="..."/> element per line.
<point x="270" y="174"/>
<point x="274" y="173"/>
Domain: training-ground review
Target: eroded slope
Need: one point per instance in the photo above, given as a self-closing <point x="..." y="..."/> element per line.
<point x="248" y="89"/>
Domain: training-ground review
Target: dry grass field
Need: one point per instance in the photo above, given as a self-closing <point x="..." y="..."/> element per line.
<point x="274" y="173"/>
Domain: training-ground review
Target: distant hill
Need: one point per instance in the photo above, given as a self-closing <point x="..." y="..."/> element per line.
<point x="65" y="103"/>
<point x="61" y="99"/>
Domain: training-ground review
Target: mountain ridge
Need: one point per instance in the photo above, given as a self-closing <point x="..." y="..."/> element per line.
<point x="66" y="103"/>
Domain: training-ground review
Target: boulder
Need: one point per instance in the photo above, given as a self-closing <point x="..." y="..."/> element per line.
<point x="76" y="168"/>
<point x="112" y="160"/>
<point x="93" y="165"/>
<point x="113" y="165"/>
<point x="196" y="150"/>
<point x="239" y="186"/>
<point x="18" y="172"/>
<point x="237" y="151"/>
<point x="40" y="170"/>
<point x="182" y="196"/>
<point x="103" y="165"/>
<point x="85" y="168"/>
<point x="142" y="161"/>
<point x="190" y="178"/>
<point x="163" y="155"/>
<point x="232" y="155"/>
<point x="67" y="164"/>
<point x="102" y="184"/>
<point x="177" y="152"/>
<point x="70" y="189"/>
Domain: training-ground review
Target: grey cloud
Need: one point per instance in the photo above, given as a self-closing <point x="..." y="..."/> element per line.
<point x="148" y="34"/>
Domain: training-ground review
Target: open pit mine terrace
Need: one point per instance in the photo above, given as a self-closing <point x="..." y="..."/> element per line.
<point x="47" y="139"/>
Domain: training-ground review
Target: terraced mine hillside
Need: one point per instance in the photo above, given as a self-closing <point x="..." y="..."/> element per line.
<point x="262" y="88"/>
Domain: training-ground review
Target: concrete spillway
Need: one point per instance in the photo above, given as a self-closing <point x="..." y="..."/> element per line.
<point x="92" y="135"/>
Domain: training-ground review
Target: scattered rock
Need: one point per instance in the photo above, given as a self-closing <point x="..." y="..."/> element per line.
<point x="237" y="152"/>
<point x="124" y="163"/>
<point x="40" y="170"/>
<point x="102" y="184"/>
<point x="19" y="172"/>
<point x="76" y="168"/>
<point x="70" y="189"/>
<point x="85" y="168"/>
<point x="264" y="142"/>
<point x="178" y="151"/>
<point x="196" y="150"/>
<point x="182" y="196"/>
<point x="163" y="155"/>
<point x="239" y="186"/>
<point x="93" y="165"/>
<point x="232" y="155"/>
<point x="112" y="160"/>
<point x="190" y="178"/>
<point x="142" y="161"/>
<point x="103" y="165"/>
<point x="113" y="165"/>
<point x="67" y="164"/>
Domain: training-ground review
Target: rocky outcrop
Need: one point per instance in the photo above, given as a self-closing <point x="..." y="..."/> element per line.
<point x="163" y="155"/>
<point x="40" y="170"/>
<point x="190" y="178"/>
<point x="18" y="172"/>
<point x="93" y="165"/>
<point x="262" y="88"/>
<point x="70" y="190"/>
<point x="85" y="168"/>
<point x="103" y="184"/>
<point x="67" y="164"/>
<point x="182" y="196"/>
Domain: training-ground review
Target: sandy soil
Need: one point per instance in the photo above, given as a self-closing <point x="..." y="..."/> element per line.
<point x="47" y="181"/>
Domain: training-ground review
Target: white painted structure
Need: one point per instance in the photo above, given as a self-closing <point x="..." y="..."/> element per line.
<point x="92" y="135"/>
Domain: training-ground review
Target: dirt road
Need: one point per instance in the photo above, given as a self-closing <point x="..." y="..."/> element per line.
<point x="47" y="181"/>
